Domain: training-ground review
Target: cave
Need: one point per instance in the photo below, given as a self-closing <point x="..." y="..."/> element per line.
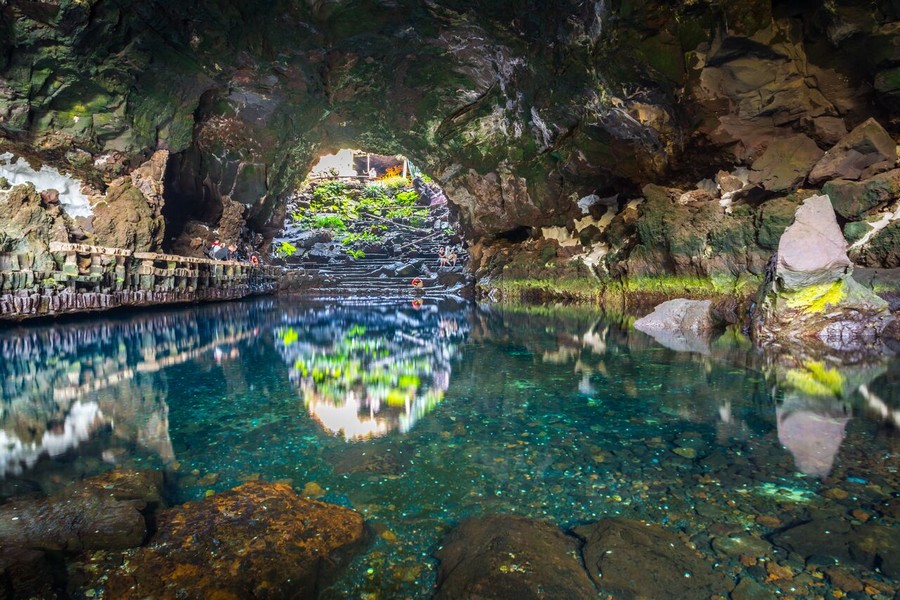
<point x="596" y="298"/>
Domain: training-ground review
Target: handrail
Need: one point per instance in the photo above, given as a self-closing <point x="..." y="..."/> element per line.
<point x="82" y="277"/>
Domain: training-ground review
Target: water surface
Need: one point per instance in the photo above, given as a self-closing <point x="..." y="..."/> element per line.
<point x="419" y="418"/>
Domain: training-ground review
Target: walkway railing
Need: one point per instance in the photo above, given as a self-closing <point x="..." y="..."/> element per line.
<point x="87" y="278"/>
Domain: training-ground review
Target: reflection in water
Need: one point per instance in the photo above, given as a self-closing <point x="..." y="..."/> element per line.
<point x="364" y="374"/>
<point x="813" y="432"/>
<point x="63" y="385"/>
<point x="558" y="415"/>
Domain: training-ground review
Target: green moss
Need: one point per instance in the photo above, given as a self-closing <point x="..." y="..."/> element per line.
<point x="618" y="293"/>
<point x="815" y="379"/>
<point x="816" y="298"/>
<point x="855" y="231"/>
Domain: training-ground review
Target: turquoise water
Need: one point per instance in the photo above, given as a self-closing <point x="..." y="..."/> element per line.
<point x="419" y="418"/>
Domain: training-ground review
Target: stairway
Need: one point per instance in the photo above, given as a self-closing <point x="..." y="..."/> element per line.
<point x="326" y="271"/>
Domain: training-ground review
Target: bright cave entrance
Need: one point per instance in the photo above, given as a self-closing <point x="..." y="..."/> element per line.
<point x="372" y="226"/>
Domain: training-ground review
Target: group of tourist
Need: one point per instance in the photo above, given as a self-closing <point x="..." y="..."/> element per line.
<point x="218" y="251"/>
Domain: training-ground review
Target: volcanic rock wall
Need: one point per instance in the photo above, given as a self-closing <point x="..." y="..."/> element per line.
<point x="524" y="111"/>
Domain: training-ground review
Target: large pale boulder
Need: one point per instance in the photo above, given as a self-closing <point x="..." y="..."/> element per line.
<point x="867" y="150"/>
<point x="809" y="293"/>
<point x="681" y="325"/>
<point x="812" y="250"/>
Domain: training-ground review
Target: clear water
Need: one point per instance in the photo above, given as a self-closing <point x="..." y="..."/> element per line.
<point x="421" y="418"/>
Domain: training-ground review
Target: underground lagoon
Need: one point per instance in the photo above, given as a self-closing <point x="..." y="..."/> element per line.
<point x="447" y="299"/>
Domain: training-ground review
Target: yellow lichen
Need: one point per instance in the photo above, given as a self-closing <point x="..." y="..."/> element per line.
<point x="816" y="298"/>
<point x="815" y="379"/>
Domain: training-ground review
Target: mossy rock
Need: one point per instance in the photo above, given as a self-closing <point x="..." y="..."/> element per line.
<point x="883" y="250"/>
<point x="853" y="199"/>
<point x="774" y="217"/>
<point x="856" y="230"/>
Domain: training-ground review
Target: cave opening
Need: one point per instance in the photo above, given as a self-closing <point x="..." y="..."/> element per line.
<point x="367" y="224"/>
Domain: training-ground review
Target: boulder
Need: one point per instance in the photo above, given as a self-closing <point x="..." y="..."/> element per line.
<point x="852" y="199"/>
<point x="259" y="540"/>
<point x="27" y="225"/>
<point x="812" y="250"/>
<point x="25" y="574"/>
<point x="869" y="544"/>
<point x="809" y="293"/>
<point x="867" y="150"/>
<point x="101" y="513"/>
<point x="785" y="163"/>
<point x="504" y="556"/>
<point x="883" y="250"/>
<point x="127" y="219"/>
<point x="682" y="325"/>
<point x="632" y="559"/>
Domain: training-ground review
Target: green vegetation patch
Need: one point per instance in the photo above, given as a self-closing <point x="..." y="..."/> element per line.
<point x="346" y="211"/>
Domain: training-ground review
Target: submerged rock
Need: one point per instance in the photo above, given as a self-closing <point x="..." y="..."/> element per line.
<point x="810" y="293"/>
<point x="101" y="513"/>
<point x="504" y="556"/>
<point x="25" y="573"/>
<point x="259" y="540"/>
<point x="631" y="559"/>
<point x="870" y="545"/>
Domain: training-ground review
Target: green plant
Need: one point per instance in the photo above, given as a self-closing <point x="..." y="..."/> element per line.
<point x="285" y="249"/>
<point x="395" y="182"/>
<point x="407" y="198"/>
<point x="355" y="254"/>
<point x="332" y="222"/>
<point x="366" y="237"/>
<point x="330" y="191"/>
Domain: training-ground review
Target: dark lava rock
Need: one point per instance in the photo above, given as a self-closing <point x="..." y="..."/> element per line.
<point x="852" y="199"/>
<point x="504" y="556"/>
<point x="867" y="150"/>
<point x="785" y="163"/>
<point x="101" y="513"/>
<point x="259" y="540"/>
<point x="24" y="574"/>
<point x="870" y="545"/>
<point x="630" y="559"/>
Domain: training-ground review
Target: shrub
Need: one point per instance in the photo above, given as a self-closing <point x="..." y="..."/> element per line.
<point x="285" y="249"/>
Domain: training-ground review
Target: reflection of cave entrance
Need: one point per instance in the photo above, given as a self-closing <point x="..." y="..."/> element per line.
<point x="372" y="225"/>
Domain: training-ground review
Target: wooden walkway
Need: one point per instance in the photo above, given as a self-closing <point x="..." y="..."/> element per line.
<point x="89" y="278"/>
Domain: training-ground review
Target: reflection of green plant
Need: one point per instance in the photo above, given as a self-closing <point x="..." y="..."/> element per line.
<point x="289" y="336"/>
<point x="285" y="249"/>
<point x="356" y="331"/>
<point x="815" y="379"/>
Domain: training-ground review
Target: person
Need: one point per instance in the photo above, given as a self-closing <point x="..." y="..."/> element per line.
<point x="232" y="252"/>
<point x="217" y="251"/>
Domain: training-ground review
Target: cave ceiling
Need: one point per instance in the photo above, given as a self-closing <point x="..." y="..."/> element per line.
<point x="518" y="107"/>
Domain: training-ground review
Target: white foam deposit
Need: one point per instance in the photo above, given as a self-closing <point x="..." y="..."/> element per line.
<point x="17" y="170"/>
